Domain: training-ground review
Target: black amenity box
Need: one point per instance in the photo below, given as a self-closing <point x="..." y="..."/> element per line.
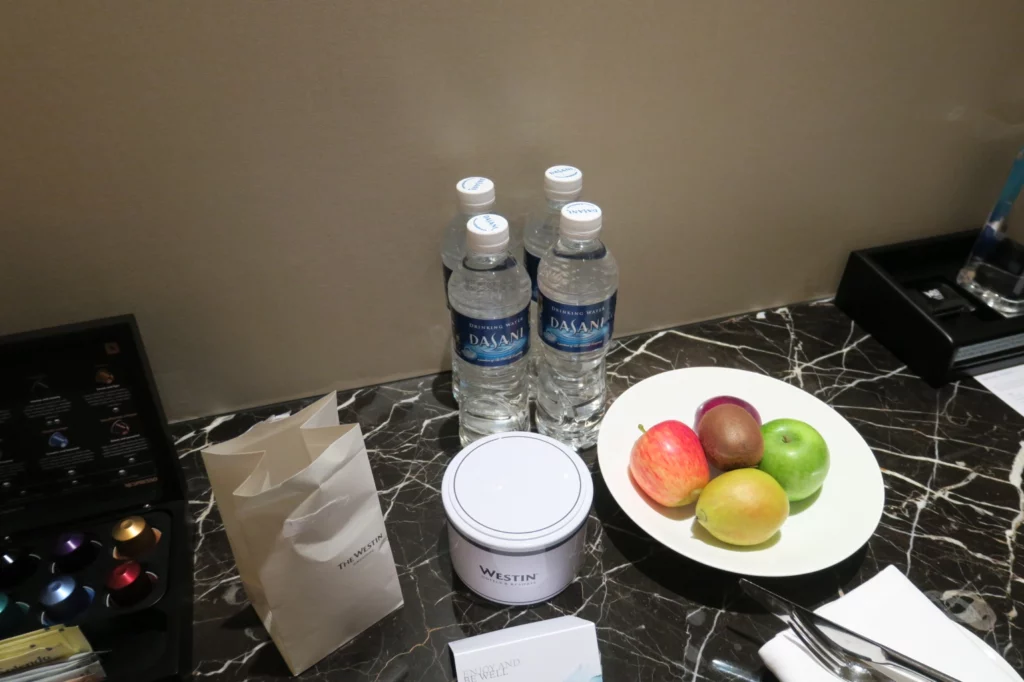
<point x="94" y="527"/>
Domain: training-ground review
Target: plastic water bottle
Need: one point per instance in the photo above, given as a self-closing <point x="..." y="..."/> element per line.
<point x="562" y="185"/>
<point x="475" y="197"/>
<point x="578" y="281"/>
<point x="489" y="297"/>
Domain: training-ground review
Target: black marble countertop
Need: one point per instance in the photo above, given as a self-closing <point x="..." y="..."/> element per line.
<point x="952" y="461"/>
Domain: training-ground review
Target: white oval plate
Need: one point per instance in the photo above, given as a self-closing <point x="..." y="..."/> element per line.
<point x="819" y="533"/>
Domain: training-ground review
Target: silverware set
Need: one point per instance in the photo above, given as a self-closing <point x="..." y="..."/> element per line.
<point x="840" y="651"/>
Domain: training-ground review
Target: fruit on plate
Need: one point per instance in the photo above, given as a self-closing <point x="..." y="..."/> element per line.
<point x="743" y="507"/>
<point x="668" y="464"/>
<point x="730" y="437"/>
<point x="796" y="456"/>
<point x="712" y="403"/>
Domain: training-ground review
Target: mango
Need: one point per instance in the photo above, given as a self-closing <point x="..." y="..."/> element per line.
<point x="743" y="507"/>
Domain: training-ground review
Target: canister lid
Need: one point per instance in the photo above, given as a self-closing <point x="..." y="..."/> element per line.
<point x="517" y="492"/>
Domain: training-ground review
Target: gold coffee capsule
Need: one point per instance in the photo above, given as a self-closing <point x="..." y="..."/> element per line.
<point x="133" y="537"/>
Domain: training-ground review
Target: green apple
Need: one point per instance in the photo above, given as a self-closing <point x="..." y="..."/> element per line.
<point x="796" y="456"/>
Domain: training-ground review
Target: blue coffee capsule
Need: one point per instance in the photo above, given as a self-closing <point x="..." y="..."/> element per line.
<point x="63" y="599"/>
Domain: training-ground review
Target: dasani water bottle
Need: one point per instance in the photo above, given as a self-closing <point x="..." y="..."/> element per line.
<point x="489" y="297"/>
<point x="562" y="185"/>
<point x="475" y="196"/>
<point x="578" y="281"/>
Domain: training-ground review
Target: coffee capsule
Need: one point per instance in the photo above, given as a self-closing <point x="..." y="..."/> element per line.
<point x="128" y="583"/>
<point x="11" y="616"/>
<point x="73" y="551"/>
<point x="64" y="598"/>
<point x="15" y="566"/>
<point x="133" y="537"/>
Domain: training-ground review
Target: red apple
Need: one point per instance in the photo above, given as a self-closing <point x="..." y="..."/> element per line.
<point x="668" y="464"/>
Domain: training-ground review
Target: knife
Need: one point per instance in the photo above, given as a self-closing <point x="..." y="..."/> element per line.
<point x="854" y="644"/>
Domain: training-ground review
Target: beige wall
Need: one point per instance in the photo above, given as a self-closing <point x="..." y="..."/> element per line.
<point x="264" y="183"/>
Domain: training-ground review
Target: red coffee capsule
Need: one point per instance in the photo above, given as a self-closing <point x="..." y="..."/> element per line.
<point x="128" y="583"/>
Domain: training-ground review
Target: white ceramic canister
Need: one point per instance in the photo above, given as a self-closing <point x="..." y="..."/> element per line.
<point x="517" y="506"/>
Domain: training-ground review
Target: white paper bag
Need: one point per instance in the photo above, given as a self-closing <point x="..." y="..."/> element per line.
<point x="301" y="512"/>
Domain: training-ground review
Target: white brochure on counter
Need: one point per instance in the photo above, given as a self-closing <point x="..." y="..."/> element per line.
<point x="556" y="650"/>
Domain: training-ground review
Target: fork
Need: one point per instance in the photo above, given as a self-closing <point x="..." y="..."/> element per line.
<point x="830" y="657"/>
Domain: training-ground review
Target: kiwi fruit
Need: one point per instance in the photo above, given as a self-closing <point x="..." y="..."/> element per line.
<point x="731" y="438"/>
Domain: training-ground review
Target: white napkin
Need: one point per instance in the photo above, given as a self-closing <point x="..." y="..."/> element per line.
<point x="891" y="611"/>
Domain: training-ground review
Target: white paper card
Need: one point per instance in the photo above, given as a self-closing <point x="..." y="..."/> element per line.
<point x="557" y="650"/>
<point x="1007" y="384"/>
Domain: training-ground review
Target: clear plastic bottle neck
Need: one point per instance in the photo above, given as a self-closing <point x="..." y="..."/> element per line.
<point x="555" y="206"/>
<point x="576" y="248"/>
<point x="482" y="262"/>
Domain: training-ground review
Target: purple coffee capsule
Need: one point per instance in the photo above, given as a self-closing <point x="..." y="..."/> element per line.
<point x="73" y="551"/>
